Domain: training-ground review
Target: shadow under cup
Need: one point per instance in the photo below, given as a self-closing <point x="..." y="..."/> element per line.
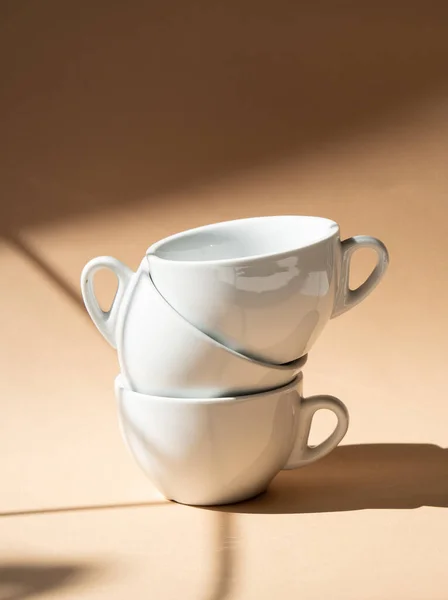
<point x="222" y="450"/>
<point x="265" y="286"/>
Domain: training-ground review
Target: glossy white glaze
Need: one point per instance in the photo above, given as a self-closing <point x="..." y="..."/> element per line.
<point x="264" y="286"/>
<point x="220" y="451"/>
<point x="161" y="353"/>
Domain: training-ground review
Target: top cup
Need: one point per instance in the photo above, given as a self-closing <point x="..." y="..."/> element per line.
<point x="263" y="286"/>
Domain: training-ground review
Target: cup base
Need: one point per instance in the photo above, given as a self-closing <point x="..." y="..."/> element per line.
<point x="223" y="502"/>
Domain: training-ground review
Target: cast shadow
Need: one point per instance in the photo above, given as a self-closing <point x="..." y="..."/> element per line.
<point x="225" y="558"/>
<point x="357" y="477"/>
<point x="19" y="581"/>
<point x="124" y="107"/>
<point x="110" y="107"/>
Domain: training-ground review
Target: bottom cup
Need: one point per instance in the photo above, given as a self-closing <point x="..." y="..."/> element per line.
<point x="223" y="450"/>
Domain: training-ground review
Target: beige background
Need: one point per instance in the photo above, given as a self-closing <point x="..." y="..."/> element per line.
<point x="124" y="122"/>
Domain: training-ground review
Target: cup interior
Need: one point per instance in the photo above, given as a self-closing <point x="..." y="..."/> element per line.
<point x="244" y="238"/>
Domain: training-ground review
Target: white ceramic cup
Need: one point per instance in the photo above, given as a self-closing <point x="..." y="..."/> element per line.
<point x="263" y="286"/>
<point x="161" y="353"/>
<point x="223" y="450"/>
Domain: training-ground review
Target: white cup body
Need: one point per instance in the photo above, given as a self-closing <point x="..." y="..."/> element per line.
<point x="210" y="452"/>
<point x="265" y="287"/>
<point x="161" y="353"/>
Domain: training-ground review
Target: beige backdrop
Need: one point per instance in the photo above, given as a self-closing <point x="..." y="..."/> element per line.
<point x="124" y="122"/>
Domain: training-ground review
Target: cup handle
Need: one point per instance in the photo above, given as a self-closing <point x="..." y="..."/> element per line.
<point x="303" y="454"/>
<point x="345" y="297"/>
<point x="105" y="321"/>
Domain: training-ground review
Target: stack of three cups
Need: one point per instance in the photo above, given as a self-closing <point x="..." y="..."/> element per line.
<point x="212" y="332"/>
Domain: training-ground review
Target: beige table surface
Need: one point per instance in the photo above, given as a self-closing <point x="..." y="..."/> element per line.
<point x="123" y="125"/>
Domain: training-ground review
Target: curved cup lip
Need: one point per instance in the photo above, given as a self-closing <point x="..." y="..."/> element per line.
<point x="333" y="229"/>
<point x="293" y="365"/>
<point x="121" y="388"/>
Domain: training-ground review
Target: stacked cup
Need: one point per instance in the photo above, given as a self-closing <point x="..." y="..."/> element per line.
<point x="212" y="333"/>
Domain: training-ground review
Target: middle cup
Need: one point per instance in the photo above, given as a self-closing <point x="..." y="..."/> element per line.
<point x="161" y="353"/>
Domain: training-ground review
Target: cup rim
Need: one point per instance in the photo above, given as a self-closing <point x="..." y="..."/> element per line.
<point x="121" y="387"/>
<point x="333" y="229"/>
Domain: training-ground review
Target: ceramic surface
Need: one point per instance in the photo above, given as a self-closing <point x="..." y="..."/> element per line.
<point x="161" y="353"/>
<point x="220" y="451"/>
<point x="264" y="286"/>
